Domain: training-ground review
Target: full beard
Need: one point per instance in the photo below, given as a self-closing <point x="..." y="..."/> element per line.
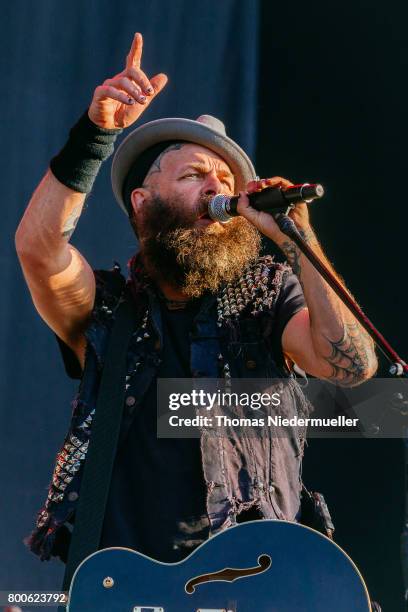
<point x="194" y="259"/>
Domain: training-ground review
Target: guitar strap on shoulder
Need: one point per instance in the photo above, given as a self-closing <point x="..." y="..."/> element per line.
<point x="103" y="442"/>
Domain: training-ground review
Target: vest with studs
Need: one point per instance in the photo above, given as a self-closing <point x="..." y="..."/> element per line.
<point x="231" y="338"/>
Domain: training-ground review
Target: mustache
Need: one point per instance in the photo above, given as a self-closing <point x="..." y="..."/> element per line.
<point x="160" y="217"/>
<point x="202" y="205"/>
<point x="185" y="219"/>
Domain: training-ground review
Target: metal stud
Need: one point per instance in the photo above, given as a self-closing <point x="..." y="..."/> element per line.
<point x="55" y="496"/>
<point x="75" y="441"/>
<point x="72" y="469"/>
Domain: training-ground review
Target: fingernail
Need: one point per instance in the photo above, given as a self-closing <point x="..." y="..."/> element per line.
<point x="149" y="89"/>
<point x="142" y="99"/>
<point x="131" y="101"/>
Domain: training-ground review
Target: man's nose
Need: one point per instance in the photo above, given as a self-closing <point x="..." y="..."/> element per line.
<point x="212" y="184"/>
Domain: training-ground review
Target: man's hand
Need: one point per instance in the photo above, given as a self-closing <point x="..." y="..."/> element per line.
<point x="265" y="221"/>
<point x="120" y="101"/>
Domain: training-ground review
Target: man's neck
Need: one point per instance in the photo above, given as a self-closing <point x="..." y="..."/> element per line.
<point x="172" y="293"/>
<point x="169" y="291"/>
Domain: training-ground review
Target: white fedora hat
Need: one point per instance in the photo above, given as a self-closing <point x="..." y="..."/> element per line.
<point x="206" y="131"/>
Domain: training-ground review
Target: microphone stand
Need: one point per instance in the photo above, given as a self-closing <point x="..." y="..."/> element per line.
<point x="398" y="368"/>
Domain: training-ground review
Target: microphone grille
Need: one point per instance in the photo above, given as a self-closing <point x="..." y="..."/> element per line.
<point x="217" y="208"/>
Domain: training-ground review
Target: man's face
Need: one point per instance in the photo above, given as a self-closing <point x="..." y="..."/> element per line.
<point x="178" y="240"/>
<point x="190" y="174"/>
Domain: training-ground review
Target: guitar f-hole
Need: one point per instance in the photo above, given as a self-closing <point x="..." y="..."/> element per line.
<point x="229" y="574"/>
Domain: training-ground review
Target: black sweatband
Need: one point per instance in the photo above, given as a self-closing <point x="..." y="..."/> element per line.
<point x="78" y="162"/>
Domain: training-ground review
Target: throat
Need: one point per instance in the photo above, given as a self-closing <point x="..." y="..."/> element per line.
<point x="174" y="300"/>
<point x="175" y="304"/>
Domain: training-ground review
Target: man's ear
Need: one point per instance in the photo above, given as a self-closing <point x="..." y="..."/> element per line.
<point x="138" y="198"/>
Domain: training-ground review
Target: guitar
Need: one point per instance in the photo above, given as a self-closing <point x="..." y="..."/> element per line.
<point x="258" y="566"/>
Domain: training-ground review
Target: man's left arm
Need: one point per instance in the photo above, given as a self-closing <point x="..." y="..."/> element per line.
<point x="323" y="339"/>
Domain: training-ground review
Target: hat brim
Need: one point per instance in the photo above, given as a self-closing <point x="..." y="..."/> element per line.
<point x="175" y="128"/>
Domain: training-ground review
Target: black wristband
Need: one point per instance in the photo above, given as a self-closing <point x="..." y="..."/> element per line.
<point x="78" y="162"/>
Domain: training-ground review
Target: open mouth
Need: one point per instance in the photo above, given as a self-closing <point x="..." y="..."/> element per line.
<point x="205" y="215"/>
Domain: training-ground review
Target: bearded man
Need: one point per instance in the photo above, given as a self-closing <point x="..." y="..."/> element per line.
<point x="209" y="305"/>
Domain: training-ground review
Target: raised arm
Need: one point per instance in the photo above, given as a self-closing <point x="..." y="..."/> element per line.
<point x="60" y="280"/>
<point x="323" y="339"/>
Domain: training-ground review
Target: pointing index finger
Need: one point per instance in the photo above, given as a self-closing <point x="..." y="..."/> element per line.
<point x="135" y="54"/>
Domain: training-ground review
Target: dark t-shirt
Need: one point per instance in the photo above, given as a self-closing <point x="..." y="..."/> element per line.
<point x="157" y="497"/>
<point x="167" y="519"/>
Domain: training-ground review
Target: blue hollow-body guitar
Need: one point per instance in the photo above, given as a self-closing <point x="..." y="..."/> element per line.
<point x="259" y="566"/>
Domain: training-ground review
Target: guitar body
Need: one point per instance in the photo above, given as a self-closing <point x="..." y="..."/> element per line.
<point x="294" y="568"/>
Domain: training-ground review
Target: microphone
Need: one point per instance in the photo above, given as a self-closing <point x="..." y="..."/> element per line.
<point x="271" y="199"/>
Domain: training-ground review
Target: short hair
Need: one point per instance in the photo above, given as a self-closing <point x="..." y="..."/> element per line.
<point x="141" y="167"/>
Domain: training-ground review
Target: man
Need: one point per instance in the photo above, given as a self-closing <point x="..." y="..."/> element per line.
<point x="209" y="306"/>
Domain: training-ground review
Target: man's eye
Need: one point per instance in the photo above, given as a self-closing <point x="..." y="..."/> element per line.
<point x="191" y="174"/>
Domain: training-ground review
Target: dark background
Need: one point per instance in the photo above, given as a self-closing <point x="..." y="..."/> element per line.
<point x="331" y="109"/>
<point x="313" y="92"/>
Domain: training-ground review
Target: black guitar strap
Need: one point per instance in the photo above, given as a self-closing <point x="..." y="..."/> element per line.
<point x="103" y="442"/>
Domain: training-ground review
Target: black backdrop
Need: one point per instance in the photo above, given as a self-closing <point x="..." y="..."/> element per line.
<point x="313" y="92"/>
<point x="332" y="109"/>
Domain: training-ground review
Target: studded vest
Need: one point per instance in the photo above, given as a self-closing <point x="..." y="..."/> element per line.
<point x="232" y="339"/>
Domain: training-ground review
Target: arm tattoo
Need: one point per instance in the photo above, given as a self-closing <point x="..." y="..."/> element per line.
<point x="70" y="223"/>
<point x="293" y="252"/>
<point x="351" y="357"/>
<point x="155" y="167"/>
<point x="308" y="235"/>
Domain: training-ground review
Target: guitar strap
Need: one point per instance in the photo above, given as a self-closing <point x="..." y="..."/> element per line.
<point x="315" y="513"/>
<point x="103" y="442"/>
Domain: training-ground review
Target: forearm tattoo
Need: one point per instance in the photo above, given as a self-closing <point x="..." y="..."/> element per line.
<point x="352" y="356"/>
<point x="293" y="252"/>
<point x="308" y="235"/>
<point x="71" y="222"/>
